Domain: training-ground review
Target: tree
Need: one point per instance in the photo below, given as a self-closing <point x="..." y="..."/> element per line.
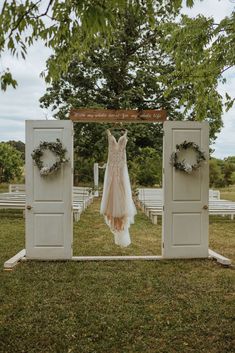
<point x="122" y="75"/>
<point x="146" y="168"/>
<point x="228" y="169"/>
<point x="119" y="76"/>
<point x="10" y="163"/>
<point x="215" y="173"/>
<point x="19" y="146"/>
<point x="201" y="49"/>
<point x="222" y="171"/>
<point x="68" y="26"/>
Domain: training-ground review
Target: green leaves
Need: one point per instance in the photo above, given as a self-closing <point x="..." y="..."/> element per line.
<point x="201" y="52"/>
<point x="222" y="171"/>
<point x="229" y="102"/>
<point x="71" y="27"/>
<point x="122" y="75"/>
<point x="128" y="54"/>
<point x="6" y="80"/>
<point x="11" y="163"/>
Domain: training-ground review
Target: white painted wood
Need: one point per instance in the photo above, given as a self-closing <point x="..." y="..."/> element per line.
<point x="9" y="264"/>
<point x="49" y="232"/>
<point x="12" y="262"/>
<point x="17" y="187"/>
<point x="214" y="194"/>
<point x="96" y="179"/>
<point x="115" y="258"/>
<point x="185" y="221"/>
<point x="220" y="258"/>
<point x="82" y="198"/>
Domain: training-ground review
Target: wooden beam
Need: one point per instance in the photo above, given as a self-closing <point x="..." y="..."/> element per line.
<point x="220" y="258"/>
<point x="116" y="258"/>
<point x="12" y="262"/>
<point x="119" y="115"/>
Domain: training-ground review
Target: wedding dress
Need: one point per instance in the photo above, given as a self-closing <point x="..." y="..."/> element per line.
<point x="117" y="205"/>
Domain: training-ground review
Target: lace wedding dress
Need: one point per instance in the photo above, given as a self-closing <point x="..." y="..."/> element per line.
<point x="117" y="205"/>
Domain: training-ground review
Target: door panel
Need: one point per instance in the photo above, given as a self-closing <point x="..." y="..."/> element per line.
<point x="185" y="221"/>
<point x="188" y="234"/>
<point x="48" y="229"/>
<point x="49" y="221"/>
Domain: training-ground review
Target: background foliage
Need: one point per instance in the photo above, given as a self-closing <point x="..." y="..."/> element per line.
<point x="144" y="160"/>
<point x="222" y="172"/>
<point x="200" y="48"/>
<point x="124" y="54"/>
<point x="11" y="163"/>
<point x="129" y="73"/>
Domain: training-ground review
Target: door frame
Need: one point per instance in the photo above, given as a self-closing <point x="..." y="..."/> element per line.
<point x="9" y="264"/>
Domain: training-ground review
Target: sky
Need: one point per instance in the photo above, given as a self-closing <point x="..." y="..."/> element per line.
<point x="18" y="105"/>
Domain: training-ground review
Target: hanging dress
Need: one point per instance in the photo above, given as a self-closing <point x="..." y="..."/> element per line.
<point x="117" y="205"/>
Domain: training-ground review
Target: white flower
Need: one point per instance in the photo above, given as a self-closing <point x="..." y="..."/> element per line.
<point x="44" y="171"/>
<point x="188" y="168"/>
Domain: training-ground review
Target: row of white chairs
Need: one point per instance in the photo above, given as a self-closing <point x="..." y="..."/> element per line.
<point x="151" y="202"/>
<point x="157" y="193"/>
<point x="16" y="199"/>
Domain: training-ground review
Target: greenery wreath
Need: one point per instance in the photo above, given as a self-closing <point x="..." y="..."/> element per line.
<point x="183" y="165"/>
<point x="57" y="149"/>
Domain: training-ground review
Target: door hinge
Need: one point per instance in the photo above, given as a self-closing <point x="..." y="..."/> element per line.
<point x="163" y="245"/>
<point x="163" y="208"/>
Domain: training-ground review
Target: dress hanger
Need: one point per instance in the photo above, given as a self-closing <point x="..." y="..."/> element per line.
<point x="118" y="127"/>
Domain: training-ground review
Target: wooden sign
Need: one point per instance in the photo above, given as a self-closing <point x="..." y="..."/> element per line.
<point x="119" y="115"/>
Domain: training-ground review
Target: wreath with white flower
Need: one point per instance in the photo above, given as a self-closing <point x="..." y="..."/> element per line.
<point x="57" y="149"/>
<point x="182" y="165"/>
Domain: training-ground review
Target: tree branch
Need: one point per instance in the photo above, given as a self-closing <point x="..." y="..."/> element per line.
<point x="227" y="68"/>
<point x="21" y="18"/>
<point x="44" y="13"/>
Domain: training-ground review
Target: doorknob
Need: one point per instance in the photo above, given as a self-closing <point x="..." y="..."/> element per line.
<point x="29" y="207"/>
<point x="205" y="207"/>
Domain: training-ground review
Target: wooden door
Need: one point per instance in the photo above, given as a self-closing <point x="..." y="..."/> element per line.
<point x="49" y="227"/>
<point x="185" y="200"/>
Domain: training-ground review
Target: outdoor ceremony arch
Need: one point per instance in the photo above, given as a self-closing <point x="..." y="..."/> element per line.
<point x="49" y="223"/>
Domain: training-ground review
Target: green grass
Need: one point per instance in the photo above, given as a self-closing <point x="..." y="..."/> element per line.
<point x="94" y="238"/>
<point x="228" y="193"/>
<point x="96" y="307"/>
<point x="3" y="187"/>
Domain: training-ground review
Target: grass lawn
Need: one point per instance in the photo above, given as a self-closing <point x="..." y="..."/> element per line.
<point x="4" y="187"/>
<point x="228" y="193"/>
<point x="117" y="307"/>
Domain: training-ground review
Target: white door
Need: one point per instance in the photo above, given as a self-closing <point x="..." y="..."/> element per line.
<point x="49" y="223"/>
<point x="185" y="212"/>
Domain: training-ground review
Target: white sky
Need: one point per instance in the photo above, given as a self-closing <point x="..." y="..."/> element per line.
<point x="21" y="104"/>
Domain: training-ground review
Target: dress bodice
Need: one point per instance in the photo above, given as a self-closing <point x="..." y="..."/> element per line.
<point x="117" y="150"/>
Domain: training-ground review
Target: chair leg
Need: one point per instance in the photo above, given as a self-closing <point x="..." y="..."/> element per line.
<point x="154" y="219"/>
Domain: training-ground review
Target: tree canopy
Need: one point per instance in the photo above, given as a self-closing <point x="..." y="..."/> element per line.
<point x="19" y="146"/>
<point x="69" y="27"/>
<point x="222" y="172"/>
<point x="121" y="75"/>
<point x="11" y="163"/>
<point x="126" y="74"/>
<point x="201" y="49"/>
<point x="134" y="71"/>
